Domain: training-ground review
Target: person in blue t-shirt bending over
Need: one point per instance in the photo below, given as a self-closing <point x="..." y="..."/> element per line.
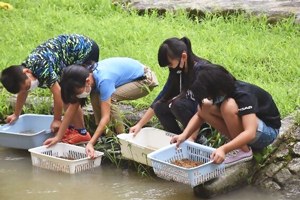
<point x="108" y="81"/>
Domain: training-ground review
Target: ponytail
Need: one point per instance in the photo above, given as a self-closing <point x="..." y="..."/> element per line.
<point x="172" y="48"/>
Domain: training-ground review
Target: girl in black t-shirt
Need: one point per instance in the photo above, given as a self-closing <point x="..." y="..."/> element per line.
<point x="243" y="112"/>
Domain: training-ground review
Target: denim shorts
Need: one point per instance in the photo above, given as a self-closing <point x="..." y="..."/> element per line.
<point x="265" y="135"/>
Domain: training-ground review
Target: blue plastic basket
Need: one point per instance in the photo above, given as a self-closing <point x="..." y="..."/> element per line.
<point x="161" y="161"/>
<point x="13" y="136"/>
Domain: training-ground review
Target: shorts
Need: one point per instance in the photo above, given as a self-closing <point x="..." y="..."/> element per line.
<point x="265" y="135"/>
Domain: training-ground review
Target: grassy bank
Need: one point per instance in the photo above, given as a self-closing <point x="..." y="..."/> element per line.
<point x="254" y="51"/>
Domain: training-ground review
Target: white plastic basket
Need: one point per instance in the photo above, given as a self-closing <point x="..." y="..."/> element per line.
<point x="161" y="161"/>
<point x="48" y="158"/>
<point x="148" y="140"/>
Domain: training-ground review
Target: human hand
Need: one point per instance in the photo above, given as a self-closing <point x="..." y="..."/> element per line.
<point x="55" y="125"/>
<point x="218" y="155"/>
<point x="135" y="129"/>
<point x="90" y="151"/>
<point x="178" y="139"/>
<point x="51" y="141"/>
<point x="11" y="118"/>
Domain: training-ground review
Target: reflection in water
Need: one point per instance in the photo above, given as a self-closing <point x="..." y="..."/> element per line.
<point x="19" y="180"/>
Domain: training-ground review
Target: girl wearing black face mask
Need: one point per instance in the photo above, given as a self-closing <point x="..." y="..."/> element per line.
<point x="175" y="103"/>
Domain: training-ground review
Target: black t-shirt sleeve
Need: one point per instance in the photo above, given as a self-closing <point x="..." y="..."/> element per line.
<point x="253" y="99"/>
<point x="247" y="104"/>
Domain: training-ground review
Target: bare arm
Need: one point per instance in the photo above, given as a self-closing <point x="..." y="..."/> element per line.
<point x="21" y="99"/>
<point x="147" y="116"/>
<point x="58" y="106"/>
<point x="105" y="118"/>
<point x="194" y="124"/>
<point x="70" y="113"/>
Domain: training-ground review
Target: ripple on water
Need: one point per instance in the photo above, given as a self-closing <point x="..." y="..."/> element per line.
<point x="13" y="159"/>
<point x="41" y="191"/>
<point x="7" y="170"/>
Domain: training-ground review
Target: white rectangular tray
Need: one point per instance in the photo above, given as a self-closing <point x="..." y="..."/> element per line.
<point x="49" y="158"/>
<point x="147" y="140"/>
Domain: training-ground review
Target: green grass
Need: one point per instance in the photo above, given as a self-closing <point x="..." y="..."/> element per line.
<point x="253" y="50"/>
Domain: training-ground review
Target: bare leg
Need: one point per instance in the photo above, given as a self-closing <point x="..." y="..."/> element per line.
<point x="120" y="129"/>
<point x="78" y="120"/>
<point x="229" y="110"/>
<point x="212" y="115"/>
<point x="225" y="118"/>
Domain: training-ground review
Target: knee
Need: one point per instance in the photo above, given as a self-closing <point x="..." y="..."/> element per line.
<point x="176" y="107"/>
<point x="159" y="107"/>
<point x="229" y="108"/>
<point x="182" y="108"/>
<point x="206" y="108"/>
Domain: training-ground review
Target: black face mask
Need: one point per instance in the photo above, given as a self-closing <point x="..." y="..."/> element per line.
<point x="177" y="69"/>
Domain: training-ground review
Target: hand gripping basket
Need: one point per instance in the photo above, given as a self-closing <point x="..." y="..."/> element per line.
<point x="161" y="161"/>
<point x="148" y="140"/>
<point x="63" y="158"/>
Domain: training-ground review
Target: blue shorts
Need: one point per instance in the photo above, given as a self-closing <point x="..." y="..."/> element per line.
<point x="265" y="135"/>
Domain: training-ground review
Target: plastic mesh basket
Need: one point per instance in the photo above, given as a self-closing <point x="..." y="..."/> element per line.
<point x="161" y="161"/>
<point x="63" y="158"/>
<point x="148" y="140"/>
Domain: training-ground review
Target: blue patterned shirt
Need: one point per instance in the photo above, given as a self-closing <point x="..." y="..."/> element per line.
<point x="47" y="61"/>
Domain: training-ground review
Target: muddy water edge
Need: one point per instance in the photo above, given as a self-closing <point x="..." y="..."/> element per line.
<point x="20" y="180"/>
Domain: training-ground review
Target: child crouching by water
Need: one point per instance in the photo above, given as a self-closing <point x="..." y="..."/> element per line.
<point x="243" y="112"/>
<point x="108" y="81"/>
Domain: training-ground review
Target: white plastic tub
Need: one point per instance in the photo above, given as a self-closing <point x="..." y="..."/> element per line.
<point x="147" y="140"/>
<point x="29" y="131"/>
<point x="57" y="157"/>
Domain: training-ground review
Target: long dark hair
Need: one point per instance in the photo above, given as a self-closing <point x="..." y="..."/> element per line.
<point x="172" y="48"/>
<point x="211" y="80"/>
<point x="73" y="77"/>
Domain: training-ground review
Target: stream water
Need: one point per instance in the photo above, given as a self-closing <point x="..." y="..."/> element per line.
<point x="19" y="180"/>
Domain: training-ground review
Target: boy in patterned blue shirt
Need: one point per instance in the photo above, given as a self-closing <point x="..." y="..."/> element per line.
<point x="43" y="68"/>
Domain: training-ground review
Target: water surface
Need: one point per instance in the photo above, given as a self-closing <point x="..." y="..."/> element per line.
<point x="19" y="180"/>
